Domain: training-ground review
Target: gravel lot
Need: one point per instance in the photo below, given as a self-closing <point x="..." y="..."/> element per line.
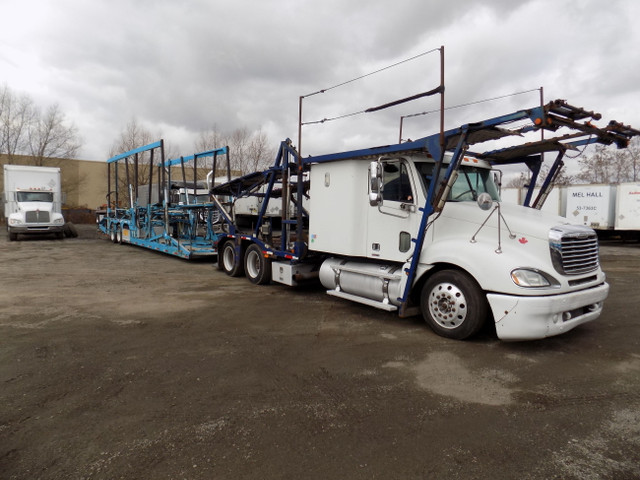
<point x="117" y="362"/>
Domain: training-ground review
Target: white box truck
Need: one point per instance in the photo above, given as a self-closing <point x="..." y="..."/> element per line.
<point x="591" y="205"/>
<point x="33" y="201"/>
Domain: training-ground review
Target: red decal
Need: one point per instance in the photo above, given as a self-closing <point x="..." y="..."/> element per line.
<point x="523" y="240"/>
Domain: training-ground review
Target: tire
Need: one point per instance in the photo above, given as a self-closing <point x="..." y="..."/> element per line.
<point x="119" y="235"/>
<point x="453" y="304"/>
<point x="70" y="230"/>
<point x="13" y="236"/>
<point x="257" y="268"/>
<point x="112" y="233"/>
<point x="231" y="262"/>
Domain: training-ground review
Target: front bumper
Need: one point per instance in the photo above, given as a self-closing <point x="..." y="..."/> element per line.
<point x="36" y="229"/>
<point x="532" y="318"/>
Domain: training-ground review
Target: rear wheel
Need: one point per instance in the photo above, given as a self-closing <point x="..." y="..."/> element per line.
<point x="256" y="266"/>
<point x="453" y="304"/>
<point x="232" y="263"/>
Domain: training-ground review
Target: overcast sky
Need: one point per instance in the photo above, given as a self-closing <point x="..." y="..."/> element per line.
<point x="182" y="67"/>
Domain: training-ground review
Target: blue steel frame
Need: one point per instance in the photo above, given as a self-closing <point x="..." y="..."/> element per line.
<point x="184" y="218"/>
<point x="284" y="161"/>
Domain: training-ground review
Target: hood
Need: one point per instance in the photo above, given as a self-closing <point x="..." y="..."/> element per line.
<point x="518" y="219"/>
<point x="32" y="206"/>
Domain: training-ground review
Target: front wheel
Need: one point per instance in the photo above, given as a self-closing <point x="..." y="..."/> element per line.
<point x="231" y="262"/>
<point x="256" y="266"/>
<point x="453" y="304"/>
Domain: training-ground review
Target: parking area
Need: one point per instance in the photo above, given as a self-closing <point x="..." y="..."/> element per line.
<point x="117" y="362"/>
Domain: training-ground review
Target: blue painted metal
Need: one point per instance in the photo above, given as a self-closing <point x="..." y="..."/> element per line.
<point x="131" y="153"/>
<point x="185" y="231"/>
<point x="189" y="158"/>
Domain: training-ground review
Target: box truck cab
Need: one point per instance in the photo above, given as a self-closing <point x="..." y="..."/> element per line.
<point x="536" y="274"/>
<point x="33" y="201"/>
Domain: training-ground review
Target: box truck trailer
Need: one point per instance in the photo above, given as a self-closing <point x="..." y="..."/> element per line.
<point x="627" y="219"/>
<point x="591" y="205"/>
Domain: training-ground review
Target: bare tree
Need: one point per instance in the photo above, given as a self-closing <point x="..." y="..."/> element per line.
<point x="632" y="154"/>
<point x="524" y="178"/>
<point x="17" y="113"/>
<point x="209" y="140"/>
<point x="596" y="168"/>
<point x="49" y="137"/>
<point x="562" y="177"/>
<point x="260" y="153"/>
<point x="611" y="165"/>
<point x="521" y="180"/>
<point x="248" y="151"/>
<point x="131" y="137"/>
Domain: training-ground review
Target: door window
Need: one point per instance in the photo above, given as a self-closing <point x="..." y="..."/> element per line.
<point x="397" y="186"/>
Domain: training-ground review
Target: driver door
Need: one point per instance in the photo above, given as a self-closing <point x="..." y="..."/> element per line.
<point x="395" y="220"/>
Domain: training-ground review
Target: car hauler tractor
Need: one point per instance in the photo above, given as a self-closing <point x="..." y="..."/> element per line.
<point x="419" y="227"/>
<point x="167" y="215"/>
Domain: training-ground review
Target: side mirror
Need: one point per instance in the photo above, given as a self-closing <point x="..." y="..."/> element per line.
<point x="484" y="201"/>
<point x="375" y="183"/>
<point x="497" y="178"/>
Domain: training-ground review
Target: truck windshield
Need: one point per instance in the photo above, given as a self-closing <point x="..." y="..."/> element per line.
<point x="34" y="196"/>
<point x="471" y="182"/>
<point x="194" y="199"/>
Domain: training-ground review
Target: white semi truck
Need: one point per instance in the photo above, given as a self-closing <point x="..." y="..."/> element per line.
<point x="33" y="201"/>
<point x="419" y="228"/>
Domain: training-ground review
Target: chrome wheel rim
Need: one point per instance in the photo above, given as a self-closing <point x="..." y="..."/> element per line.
<point x="447" y="305"/>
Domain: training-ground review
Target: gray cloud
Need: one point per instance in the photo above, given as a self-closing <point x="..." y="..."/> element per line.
<point x="182" y="67"/>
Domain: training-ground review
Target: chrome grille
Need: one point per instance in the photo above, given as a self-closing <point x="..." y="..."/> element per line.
<point x="574" y="249"/>
<point x="37" y="216"/>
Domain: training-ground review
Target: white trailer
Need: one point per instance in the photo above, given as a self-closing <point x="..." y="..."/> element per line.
<point x="418" y="228"/>
<point x="33" y="201"/>
<point x="628" y="207"/>
<point x="554" y="203"/>
<point x="591" y="205"/>
<point x="511" y="195"/>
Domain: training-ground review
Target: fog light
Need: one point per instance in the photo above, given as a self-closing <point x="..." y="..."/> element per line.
<point x="566" y="316"/>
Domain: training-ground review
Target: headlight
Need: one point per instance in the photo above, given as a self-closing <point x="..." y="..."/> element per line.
<point x="531" y="278"/>
<point x="59" y="221"/>
<point x="14" y="221"/>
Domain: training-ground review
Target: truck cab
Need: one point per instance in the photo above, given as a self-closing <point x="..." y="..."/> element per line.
<point x="536" y="275"/>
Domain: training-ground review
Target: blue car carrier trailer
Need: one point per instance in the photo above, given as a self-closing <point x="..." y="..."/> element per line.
<point x="168" y="215"/>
